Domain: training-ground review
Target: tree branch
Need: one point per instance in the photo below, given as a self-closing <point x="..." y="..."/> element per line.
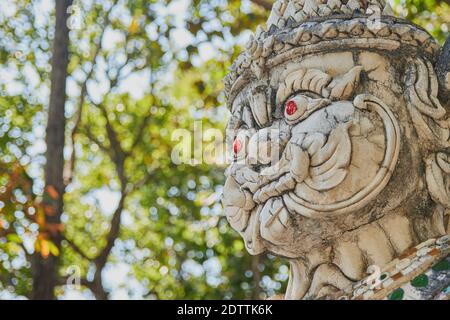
<point x="63" y="281"/>
<point x="76" y="248"/>
<point x="140" y="183"/>
<point x="117" y="152"/>
<point x="95" y="286"/>
<point x="70" y="165"/>
<point x="90" y="136"/>
<point x="255" y="261"/>
<point x="140" y="133"/>
<point x="114" y="81"/>
<point x="141" y="130"/>
<point x="101" y="259"/>
<point x="118" y="156"/>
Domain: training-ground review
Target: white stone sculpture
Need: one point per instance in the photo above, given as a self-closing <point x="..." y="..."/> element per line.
<point x="340" y="135"/>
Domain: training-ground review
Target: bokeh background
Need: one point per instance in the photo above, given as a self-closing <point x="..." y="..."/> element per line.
<point x="134" y="225"/>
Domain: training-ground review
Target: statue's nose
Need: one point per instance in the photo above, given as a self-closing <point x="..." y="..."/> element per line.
<point x="260" y="147"/>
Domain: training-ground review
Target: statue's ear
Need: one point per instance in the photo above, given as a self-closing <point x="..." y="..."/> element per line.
<point x="343" y="87"/>
<point x="443" y="73"/>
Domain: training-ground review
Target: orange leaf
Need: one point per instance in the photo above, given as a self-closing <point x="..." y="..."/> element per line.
<point x="45" y="248"/>
<point x="49" y="210"/>
<point x="52" y="192"/>
<point x="54" y="228"/>
<point x="40" y="217"/>
<point x="41" y="236"/>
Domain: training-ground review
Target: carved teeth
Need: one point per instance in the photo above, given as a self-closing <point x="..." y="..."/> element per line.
<point x="357" y="30"/>
<point x="310" y="7"/>
<point x="353" y="5"/>
<point x="306" y="36"/>
<point x="267" y="46"/>
<point x="329" y="31"/>
<point x="300" y="16"/>
<point x="298" y="35"/>
<point x="384" y="30"/>
<point x="345" y="9"/>
<point x="324" y="10"/>
<point x="301" y="10"/>
<point x="251" y="44"/>
<point x="333" y="4"/>
<point x="259" y="31"/>
<point x="290" y="10"/>
<point x="273" y="28"/>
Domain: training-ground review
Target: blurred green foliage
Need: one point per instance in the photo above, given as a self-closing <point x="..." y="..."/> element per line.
<point x="139" y="69"/>
<point x="433" y="15"/>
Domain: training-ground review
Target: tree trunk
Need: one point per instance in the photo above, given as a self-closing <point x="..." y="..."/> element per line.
<point x="45" y="266"/>
<point x="256" y="260"/>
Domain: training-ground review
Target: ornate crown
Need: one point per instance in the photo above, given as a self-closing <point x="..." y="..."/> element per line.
<point x="285" y="12"/>
<point x="301" y="27"/>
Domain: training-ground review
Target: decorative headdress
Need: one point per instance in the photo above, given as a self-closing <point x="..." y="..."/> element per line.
<point x="301" y="27"/>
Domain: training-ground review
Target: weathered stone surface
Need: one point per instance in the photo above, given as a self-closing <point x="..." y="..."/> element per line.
<point x="341" y="134"/>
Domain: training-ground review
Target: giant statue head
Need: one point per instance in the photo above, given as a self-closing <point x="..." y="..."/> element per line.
<point x="340" y="135"/>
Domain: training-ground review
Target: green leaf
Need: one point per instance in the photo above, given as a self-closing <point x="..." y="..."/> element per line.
<point x="420" y="281"/>
<point x="441" y="266"/>
<point x="14" y="238"/>
<point x="397" y="294"/>
<point x="53" y="249"/>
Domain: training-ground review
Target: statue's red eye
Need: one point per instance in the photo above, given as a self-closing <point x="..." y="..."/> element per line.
<point x="237" y="145"/>
<point x="291" y="107"/>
